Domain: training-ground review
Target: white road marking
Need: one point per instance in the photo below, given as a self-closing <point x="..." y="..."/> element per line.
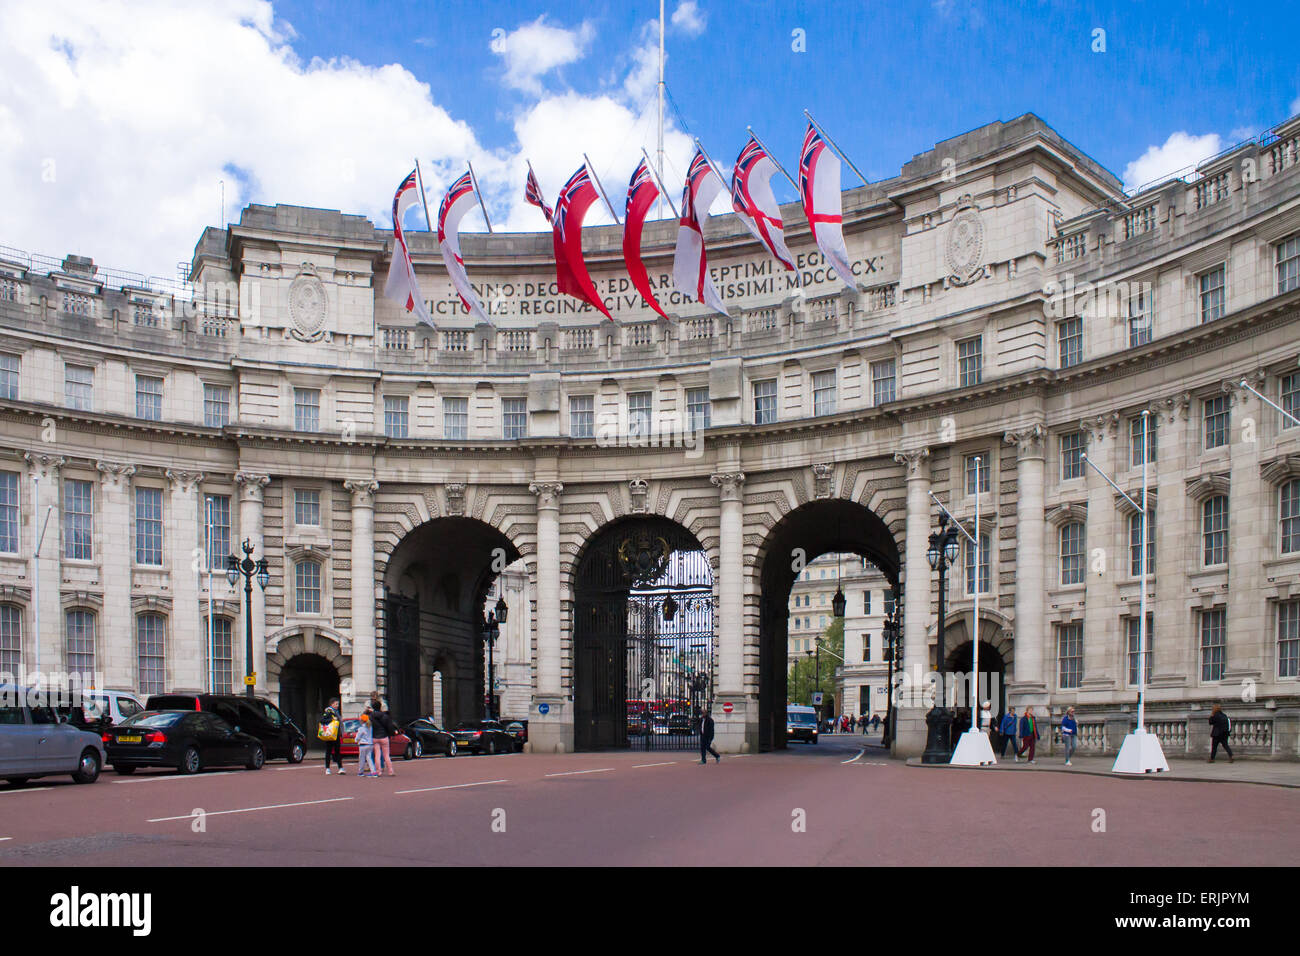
<point x="858" y="757"/>
<point x="180" y="776"/>
<point x="453" y="786"/>
<point x="2" y="839"/>
<point x="664" y="764"/>
<point x="569" y="773"/>
<point x="275" y="806"/>
<point x="21" y="790"/>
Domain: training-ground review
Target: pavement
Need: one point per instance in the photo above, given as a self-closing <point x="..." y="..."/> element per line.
<point x="1272" y="773"/>
<point x="838" y="803"/>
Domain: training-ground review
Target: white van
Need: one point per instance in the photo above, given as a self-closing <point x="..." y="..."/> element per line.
<point x="800" y="723"/>
<point x="115" y="705"/>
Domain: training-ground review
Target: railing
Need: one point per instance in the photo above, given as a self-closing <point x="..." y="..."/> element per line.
<point x="395" y="340"/>
<point x="639" y="335"/>
<point x="763" y="320"/>
<point x="1211" y="189"/>
<point x="822" y="309"/>
<point x="10" y="290"/>
<point x="1139" y="221"/>
<point x="1255" y="734"/>
<point x="516" y="340"/>
<point x="75" y="303"/>
<point x="1092" y="736"/>
<point x="1072" y="247"/>
<point x="455" y="340"/>
<point x="882" y="297"/>
<point x="696" y="329"/>
<point x="1283" y="153"/>
<point x="142" y="313"/>
<point x="1172" y="734"/>
<point x="579" y="339"/>
<point x="217" y="326"/>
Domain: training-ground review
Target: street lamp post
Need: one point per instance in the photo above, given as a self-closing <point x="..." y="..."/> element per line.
<point x="491" y="631"/>
<point x="893" y="640"/>
<point x="248" y="568"/>
<point x="943" y="551"/>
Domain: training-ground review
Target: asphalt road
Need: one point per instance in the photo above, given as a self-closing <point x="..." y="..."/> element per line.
<point x="805" y="806"/>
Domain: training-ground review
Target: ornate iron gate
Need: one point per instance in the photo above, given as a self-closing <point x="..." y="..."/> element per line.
<point x="401" y="617"/>
<point x="643" y="639"/>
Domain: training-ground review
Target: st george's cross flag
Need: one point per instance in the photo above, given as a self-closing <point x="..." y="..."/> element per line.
<point x="566" y="232"/>
<point x="459" y="200"/>
<point x="641" y="195"/>
<point x="690" y="264"/>
<point x="533" y="195"/>
<point x="752" y="199"/>
<point x="819" y="190"/>
<point x="401" y="286"/>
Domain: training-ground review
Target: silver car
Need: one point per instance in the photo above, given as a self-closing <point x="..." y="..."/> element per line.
<point x="39" y="741"/>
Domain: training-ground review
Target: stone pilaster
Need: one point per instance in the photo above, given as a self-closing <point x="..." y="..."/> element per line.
<point x="1028" y="685"/>
<point x="116" y="625"/>
<point x="555" y="729"/>
<point x="48" y="649"/>
<point x="251" y="488"/>
<point x="185" y="671"/>
<point x="909" y="738"/>
<point x="731" y="612"/>
<point x="363" y="584"/>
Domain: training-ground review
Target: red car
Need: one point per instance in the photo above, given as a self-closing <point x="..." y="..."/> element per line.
<point x="399" y="745"/>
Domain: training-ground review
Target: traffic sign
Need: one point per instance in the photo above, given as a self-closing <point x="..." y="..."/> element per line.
<point x="543" y="709"/>
<point x="817" y="699"/>
<point x="250" y="680"/>
<point x="728" y="707"/>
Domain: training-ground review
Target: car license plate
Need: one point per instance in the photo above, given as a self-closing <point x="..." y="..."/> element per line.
<point x="129" y="740"/>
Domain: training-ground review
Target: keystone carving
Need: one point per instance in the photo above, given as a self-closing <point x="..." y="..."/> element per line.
<point x="823" y="472"/>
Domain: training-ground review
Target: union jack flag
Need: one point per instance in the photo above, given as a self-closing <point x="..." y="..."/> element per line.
<point x="699" y="170"/>
<point x="458" y="189"/>
<point x="533" y="194"/>
<point x="407" y="183"/>
<point x="640" y="177"/>
<point x="750" y="155"/>
<point x="572" y="189"/>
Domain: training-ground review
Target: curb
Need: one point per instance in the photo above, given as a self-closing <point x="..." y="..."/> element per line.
<point x="1172" y="775"/>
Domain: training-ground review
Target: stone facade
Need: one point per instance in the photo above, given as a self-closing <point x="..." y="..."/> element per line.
<point x="1012" y="301"/>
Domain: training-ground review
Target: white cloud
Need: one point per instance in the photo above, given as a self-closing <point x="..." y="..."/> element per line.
<point x="688" y="18"/>
<point x="1179" y="151"/>
<point x="537" y="48"/>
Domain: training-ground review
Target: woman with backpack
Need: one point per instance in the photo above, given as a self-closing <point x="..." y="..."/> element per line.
<point x="331" y="727"/>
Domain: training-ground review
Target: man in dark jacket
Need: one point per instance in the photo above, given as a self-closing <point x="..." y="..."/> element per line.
<point x="706" y="738"/>
<point x="1220" y="726"/>
<point x="334" y="748"/>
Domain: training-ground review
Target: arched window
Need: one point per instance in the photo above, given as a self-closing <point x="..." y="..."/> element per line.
<point x="80" y="644"/>
<point x="150" y="642"/>
<point x="307" y="587"/>
<point x="1214" y="530"/>
<point x="1072" y="548"/>
<point x="11" y="642"/>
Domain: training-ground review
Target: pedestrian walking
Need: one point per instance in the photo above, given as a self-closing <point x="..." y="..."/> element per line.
<point x="1007" y="729"/>
<point x="1220" y="727"/>
<point x="875" y="721"/>
<point x="329" y="731"/>
<point x="1069" y="734"/>
<point x="1028" y="735"/>
<point x="365" y="746"/>
<point x="381" y="728"/>
<point x="706" y="738"/>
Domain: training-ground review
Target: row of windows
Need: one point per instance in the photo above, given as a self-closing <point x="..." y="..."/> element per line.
<point x="1212" y="646"/>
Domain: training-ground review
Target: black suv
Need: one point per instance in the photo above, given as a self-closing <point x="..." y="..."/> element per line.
<point x="253" y="715"/>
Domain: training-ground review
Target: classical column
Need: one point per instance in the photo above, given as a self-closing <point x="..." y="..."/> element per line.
<point x="731" y="585"/>
<point x="548" y="586"/>
<point x="910" y="733"/>
<point x="251" y="488"/>
<point x="48" y="641"/>
<point x="363" y="583"/>
<point x="186" y="646"/>
<point x="116" y="628"/>
<point x="1031" y="636"/>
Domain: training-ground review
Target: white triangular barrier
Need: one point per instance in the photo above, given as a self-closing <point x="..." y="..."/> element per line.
<point x="973" y="750"/>
<point x="1140" y="753"/>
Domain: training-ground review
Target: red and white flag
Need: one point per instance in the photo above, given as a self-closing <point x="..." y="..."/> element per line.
<point x="566" y="232"/>
<point x="401" y="285"/>
<point x="819" y="189"/>
<point x="752" y="199"/>
<point x="690" y="264"/>
<point x="641" y="195"/>
<point x="460" y="199"/>
<point x="533" y="194"/>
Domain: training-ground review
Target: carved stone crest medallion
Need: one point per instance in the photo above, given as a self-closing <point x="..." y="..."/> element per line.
<point x="964" y="250"/>
<point x="308" y="305"/>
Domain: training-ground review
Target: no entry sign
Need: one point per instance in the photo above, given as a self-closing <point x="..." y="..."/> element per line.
<point x="728" y="707"/>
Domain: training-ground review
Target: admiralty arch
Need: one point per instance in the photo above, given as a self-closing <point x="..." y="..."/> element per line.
<point x="656" y="485"/>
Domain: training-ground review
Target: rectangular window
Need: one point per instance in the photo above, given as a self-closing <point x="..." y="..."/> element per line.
<point x="395" y="416"/>
<point x="1215" y="414"/>
<point x="890" y="603"/>
<point x="216" y="406"/>
<point x="1141" y="314"/>
<point x="455" y="418"/>
<point x="11" y="640"/>
<point x="983" y="565"/>
<point x="699" y="410"/>
<point x="882" y="382"/>
<point x="148" y="398"/>
<point x="79" y="520"/>
<point x="79" y="387"/>
<point x="1212" y="287"/>
<point x="150" y="632"/>
<point x="307" y="587"/>
<point x="223" y="662"/>
<point x="1288" y="639"/>
<point x="970" y="361"/>
<point x="1135" y="545"/>
<point x="80" y="645"/>
<point x="765" y="401"/>
<point x="1132" y="624"/>
<point x="582" y="416"/>
<point x="1071" y="455"/>
<point x="1069" y="652"/>
<point x="9" y="514"/>
<point x="1214" y="530"/>
<point x="1289" y="512"/>
<point x="216" y="530"/>
<point x="306" y="409"/>
<point x="306" y="507"/>
<point x="638" y="413"/>
<point x="1140" y="442"/>
<point x="514" y="418"/>
<point x="1288" y="264"/>
<point x="1214" y="643"/>
<point x="1289" y="399"/>
<point x="866" y="602"/>
<point x="977" y="471"/>
<point x="148" y="526"/>
<point x="1072" y="549"/>
<point x="1069" y="335"/>
<point x="823" y="386"/>
<point x="866" y="648"/>
<point x="8" y="376"/>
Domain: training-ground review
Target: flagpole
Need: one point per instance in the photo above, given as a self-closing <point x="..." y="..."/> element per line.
<point x="663" y="193"/>
<point x="712" y="165"/>
<point x="211" y="624"/>
<point x="474" y="179"/>
<point x="773" y="158"/>
<point x="660" y="153"/>
<point x="975" y="635"/>
<point x="610" y="206"/>
<point x="835" y="146"/>
<point x="428" y="222"/>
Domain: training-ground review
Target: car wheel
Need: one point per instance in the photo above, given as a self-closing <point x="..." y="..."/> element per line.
<point x="191" y="762"/>
<point x="87" y="768"/>
<point x="451" y="749"/>
<point x="18" y="781"/>
<point x="124" y="769"/>
<point x="492" y="748"/>
<point x="258" y="758"/>
<point x="409" y="752"/>
<point x="418" y="746"/>
<point x="296" y="753"/>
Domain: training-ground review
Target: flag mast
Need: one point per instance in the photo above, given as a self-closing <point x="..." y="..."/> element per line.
<point x="836" y="146"/>
<point x="660" y="154"/>
<point x="663" y="193"/>
<point x="608" y="205"/>
<point x="474" y="179"/>
<point x="772" y="157"/>
<point x="424" y="202"/>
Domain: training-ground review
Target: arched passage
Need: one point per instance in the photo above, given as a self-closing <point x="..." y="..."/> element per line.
<point x="994" y="663"/>
<point x="816" y="528"/>
<point x="307" y="684"/>
<point x="643" y="637"/>
<point x="435" y="583"/>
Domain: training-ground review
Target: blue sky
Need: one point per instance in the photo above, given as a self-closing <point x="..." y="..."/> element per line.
<point x="325" y="103"/>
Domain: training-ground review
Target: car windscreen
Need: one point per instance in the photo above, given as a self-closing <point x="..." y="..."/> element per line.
<point x="350" y="726"/>
<point x="797" y="718"/>
<point x="470" y="725"/>
<point x="148" y="719"/>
